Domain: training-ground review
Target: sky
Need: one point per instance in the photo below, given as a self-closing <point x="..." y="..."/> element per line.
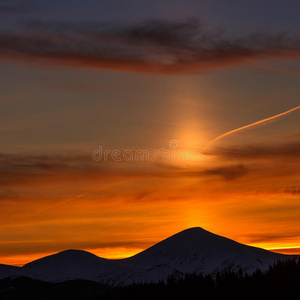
<point x="125" y="122"/>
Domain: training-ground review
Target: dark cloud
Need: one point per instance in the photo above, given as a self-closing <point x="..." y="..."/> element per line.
<point x="152" y="47"/>
<point x="12" y="163"/>
<point x="31" y="169"/>
<point x="17" y="6"/>
<point x="270" y="237"/>
<point x="288" y="151"/>
<point x="228" y="172"/>
<point x="292" y="190"/>
<point x="19" y="171"/>
<point x="287" y="250"/>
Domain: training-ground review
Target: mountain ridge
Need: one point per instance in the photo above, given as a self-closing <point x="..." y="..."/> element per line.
<point x="193" y="250"/>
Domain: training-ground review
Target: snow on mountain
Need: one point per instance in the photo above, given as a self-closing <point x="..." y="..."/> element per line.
<point x="8" y="271"/>
<point x="197" y="250"/>
<point x="73" y="264"/>
<point x="192" y="250"/>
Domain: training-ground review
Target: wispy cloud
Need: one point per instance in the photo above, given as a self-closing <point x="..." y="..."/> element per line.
<point x="271" y="237"/>
<point x="26" y="170"/>
<point x="284" y="150"/>
<point x="151" y="47"/>
<point x="19" y="170"/>
<point x="287" y="250"/>
<point x="292" y="190"/>
<point x="228" y="172"/>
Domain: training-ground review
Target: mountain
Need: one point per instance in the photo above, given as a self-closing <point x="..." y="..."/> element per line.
<point x="11" y="271"/>
<point x="192" y="250"/>
<point x="196" y="250"/>
<point x="72" y="264"/>
<point x="8" y="271"/>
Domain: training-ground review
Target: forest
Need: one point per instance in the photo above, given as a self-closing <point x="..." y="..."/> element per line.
<point x="280" y="281"/>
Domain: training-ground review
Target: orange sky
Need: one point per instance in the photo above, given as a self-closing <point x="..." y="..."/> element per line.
<point x="115" y="209"/>
<point x="147" y="79"/>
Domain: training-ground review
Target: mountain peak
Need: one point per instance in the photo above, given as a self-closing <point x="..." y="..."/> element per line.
<point x="193" y="250"/>
<point x="198" y="247"/>
<point x="191" y="237"/>
<point x="192" y="231"/>
<point x="63" y="256"/>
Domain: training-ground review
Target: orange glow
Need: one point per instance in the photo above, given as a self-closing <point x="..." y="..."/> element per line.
<point x="20" y="260"/>
<point x="117" y="209"/>
<point x="115" y="252"/>
<point x="219" y="95"/>
<point x="289" y="251"/>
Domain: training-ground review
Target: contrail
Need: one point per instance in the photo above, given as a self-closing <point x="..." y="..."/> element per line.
<point x="215" y="139"/>
<point x="252" y="124"/>
<point x="65" y="201"/>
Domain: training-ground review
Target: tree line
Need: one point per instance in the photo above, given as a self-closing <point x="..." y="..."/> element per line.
<point x="280" y="281"/>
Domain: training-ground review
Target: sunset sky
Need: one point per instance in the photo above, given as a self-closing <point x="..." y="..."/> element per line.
<point x="80" y="77"/>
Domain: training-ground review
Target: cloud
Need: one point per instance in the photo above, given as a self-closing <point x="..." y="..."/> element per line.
<point x="287" y="151"/>
<point x="18" y="170"/>
<point x="149" y="47"/>
<point x="228" y="172"/>
<point x="287" y="250"/>
<point x="73" y="177"/>
<point x="292" y="190"/>
<point x="10" y="162"/>
<point x="272" y="237"/>
<point x="17" y="7"/>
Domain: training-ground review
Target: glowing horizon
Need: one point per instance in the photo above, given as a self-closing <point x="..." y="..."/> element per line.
<point x="123" y="252"/>
<point x="149" y="78"/>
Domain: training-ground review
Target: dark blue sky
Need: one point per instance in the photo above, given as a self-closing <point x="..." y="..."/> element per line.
<point x="236" y="15"/>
